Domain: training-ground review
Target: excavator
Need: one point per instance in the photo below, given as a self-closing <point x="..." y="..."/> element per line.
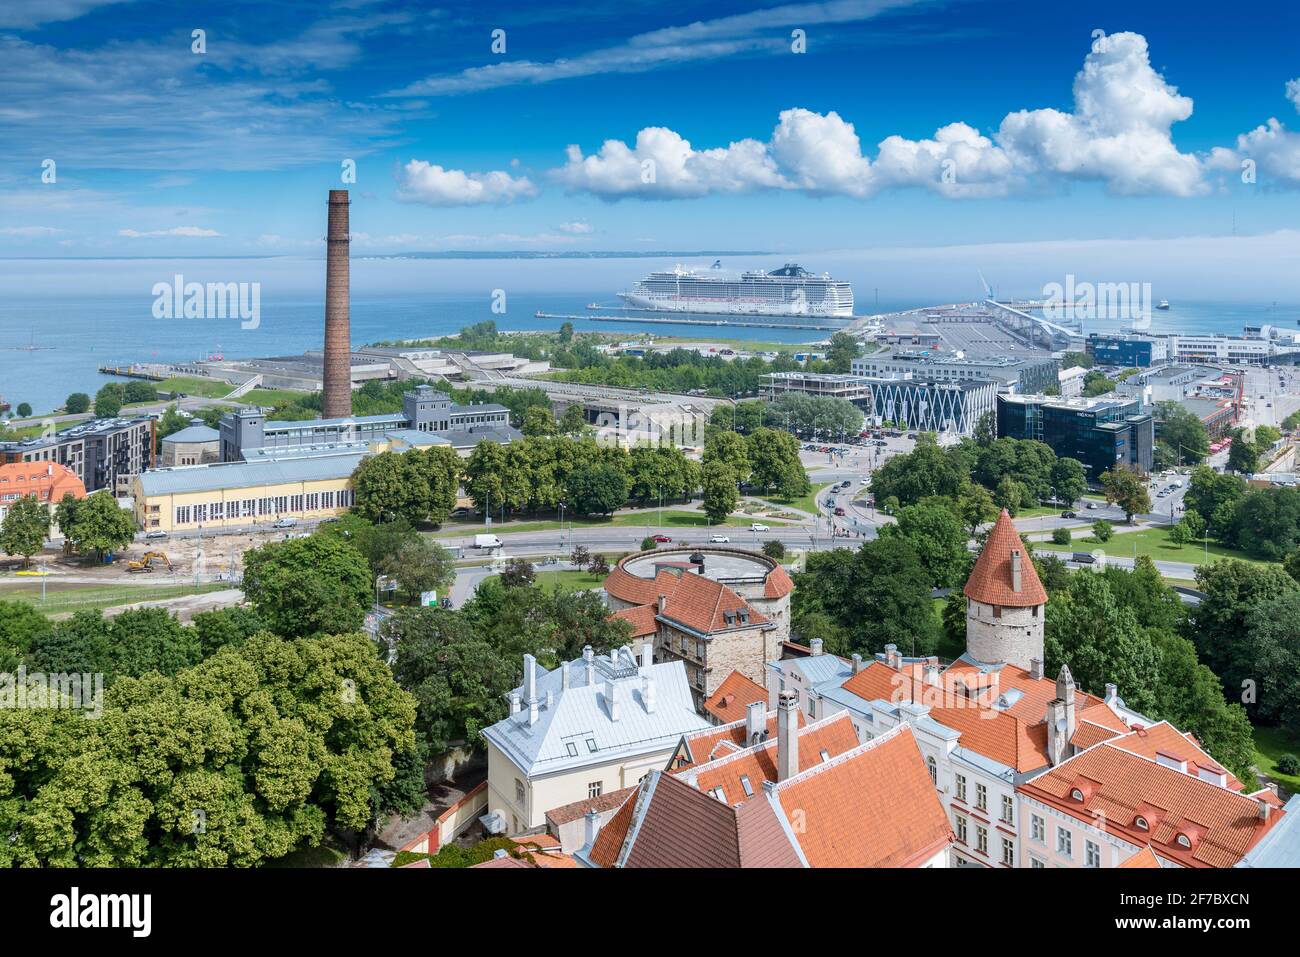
<point x="146" y="563"/>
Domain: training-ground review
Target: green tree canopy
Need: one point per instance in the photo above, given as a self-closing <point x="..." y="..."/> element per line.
<point x="308" y="586"/>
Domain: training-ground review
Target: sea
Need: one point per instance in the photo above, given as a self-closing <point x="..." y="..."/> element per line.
<point x="62" y="319"/>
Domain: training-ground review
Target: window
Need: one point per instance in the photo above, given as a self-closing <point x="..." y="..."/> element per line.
<point x="720" y="794"/>
<point x="1064" y="842"/>
<point x="1093" y="854"/>
<point x="182" y="515"/>
<point x="824" y="755"/>
<point x="981" y="796"/>
<point x="1184" y="840"/>
<point x="1008" y="852"/>
<point x="571" y="748"/>
<point x="1007" y="808"/>
<point x="981" y="839"/>
<point x="591" y="745"/>
<point x="519" y="791"/>
<point x="811" y="705"/>
<point x="997" y="611"/>
<point x="1035" y="862"/>
<point x="961" y="828"/>
<point x="961" y="787"/>
<point x="934" y="770"/>
<point x="1076" y="794"/>
<point x="744" y="783"/>
<point x="593" y="789"/>
<point x="1141" y="823"/>
<point x="1038" y="829"/>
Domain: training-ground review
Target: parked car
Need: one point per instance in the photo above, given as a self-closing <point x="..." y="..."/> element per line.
<point x="759" y="527"/>
<point x="156" y="533"/>
<point x="661" y="539"/>
<point x="719" y="539"/>
<point x="1069" y="515"/>
<point x="1092" y="505"/>
<point x="285" y="523"/>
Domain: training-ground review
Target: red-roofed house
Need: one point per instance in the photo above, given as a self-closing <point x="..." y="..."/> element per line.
<point x="718" y="610"/>
<point x="48" y="482"/>
<point x="734" y="695"/>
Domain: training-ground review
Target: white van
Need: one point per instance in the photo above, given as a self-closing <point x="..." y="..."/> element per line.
<point x="486" y="541"/>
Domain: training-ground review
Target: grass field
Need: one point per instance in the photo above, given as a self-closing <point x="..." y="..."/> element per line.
<point x="1271" y="744"/>
<point x="671" y="519"/>
<point x="98" y="597"/>
<point x="195" y="385"/>
<point x="806" y="503"/>
<point x="272" y="397"/>
<point x="568" y="581"/>
<point x="1153" y="542"/>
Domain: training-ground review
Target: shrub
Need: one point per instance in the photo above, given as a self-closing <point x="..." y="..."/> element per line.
<point x="518" y="571"/>
<point x="1101" y="530"/>
<point x="1062" y="536"/>
<point x="648" y="543"/>
<point x="1289" y="764"/>
<point x="774" y="549"/>
<point x="599" y="565"/>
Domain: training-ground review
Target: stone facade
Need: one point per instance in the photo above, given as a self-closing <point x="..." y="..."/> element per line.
<point x="1002" y="633"/>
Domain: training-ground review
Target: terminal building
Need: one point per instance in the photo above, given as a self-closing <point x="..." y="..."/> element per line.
<point x="425" y="411"/>
<point x="1011" y="373"/>
<point x="926" y="405"/>
<point x="1129" y="351"/>
<point x="102" y="453"/>
<point x="1103" y="433"/>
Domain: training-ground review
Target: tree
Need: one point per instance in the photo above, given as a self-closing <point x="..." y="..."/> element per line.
<point x="1265" y="436"/>
<point x="25" y="527"/>
<point x="1179" y="535"/>
<point x="134" y="643"/>
<point x="720" y="491"/>
<point x="1088" y="630"/>
<point x="1266" y="523"/>
<point x="308" y="586"/>
<point x="419" y="566"/>
<point x="1102" y="530"/>
<point x="538" y="421"/>
<point x="1061" y="536"/>
<point x="459" y="680"/>
<point x="600" y="490"/>
<point x="1243" y="454"/>
<point x="1095" y="382"/>
<point x="774" y="548"/>
<point x="572" y="422"/>
<point x="109" y="400"/>
<point x="841" y="352"/>
<point x="1212" y="494"/>
<point x="1184" y="432"/>
<point x="226" y="626"/>
<point x="77" y="403"/>
<point x="376" y="542"/>
<point x="1010" y="495"/>
<point x="648" y="543"/>
<point x="98" y="524"/>
<point x="976" y="507"/>
<point x="419" y="485"/>
<point x="1273" y="637"/>
<point x="1069" y="480"/>
<point x="580" y="556"/>
<point x="986" y="429"/>
<point x="20" y="624"/>
<point x="925" y="471"/>
<point x="517" y="573"/>
<point x="937" y="536"/>
<point x="24" y="410"/>
<point x="1195" y="524"/>
<point x="1127" y="490"/>
<point x="731" y="450"/>
<point x="774" y="463"/>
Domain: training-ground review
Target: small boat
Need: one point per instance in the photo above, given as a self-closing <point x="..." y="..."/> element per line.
<point x="1163" y="304"/>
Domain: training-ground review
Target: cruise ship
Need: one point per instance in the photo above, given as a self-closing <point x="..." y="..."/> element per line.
<point x="788" y="291"/>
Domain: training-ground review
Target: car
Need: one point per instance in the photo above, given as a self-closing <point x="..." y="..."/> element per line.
<point x="1083" y="558"/>
<point x="156" y="533"/>
<point x="285" y="523"/>
<point x="1069" y="515"/>
<point x="661" y="539"/>
<point x="719" y="540"/>
<point x="880" y="442"/>
<point x="845" y="484"/>
<point x="1092" y="505"/>
<point x="840" y="511"/>
<point x="759" y="527"/>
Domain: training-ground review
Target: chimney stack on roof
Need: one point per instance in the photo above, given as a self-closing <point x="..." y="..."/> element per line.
<point x="611" y="698"/>
<point x="515" y="706"/>
<point x="893" y="658"/>
<point x="755" y="722"/>
<point x="647" y="654"/>
<point x="530" y="687"/>
<point x="787" y="736"/>
<point x="648" y="694"/>
<point x="816" y="646"/>
<point x="590" y="828"/>
<point x="857" y="662"/>
<point x="1112" y="692"/>
<point x="1036" y="668"/>
<point x="564" y="676"/>
<point x="589" y="658"/>
<point x="1265" y="810"/>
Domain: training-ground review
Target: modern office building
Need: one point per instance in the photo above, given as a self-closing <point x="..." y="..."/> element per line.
<point x="1128" y="351"/>
<point x="424" y="409"/>
<point x="1011" y="373"/>
<point x="102" y="453"/>
<point x="1103" y="433"/>
<point x="925" y="405"/>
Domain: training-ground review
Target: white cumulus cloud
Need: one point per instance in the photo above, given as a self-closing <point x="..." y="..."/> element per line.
<point x="1118" y="134"/>
<point x="577" y="228"/>
<point x="1272" y="150"/>
<point x="189" y="232"/>
<point x="432" y="185"/>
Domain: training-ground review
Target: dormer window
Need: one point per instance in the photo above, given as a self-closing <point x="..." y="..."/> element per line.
<point x="1076" y="794"/>
<point x="748" y="788"/>
<point x="1141" y="824"/>
<point x="1184" y="841"/>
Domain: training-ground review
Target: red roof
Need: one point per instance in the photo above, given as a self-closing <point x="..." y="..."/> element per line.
<point x="1143" y="858"/>
<point x="642" y="619"/>
<point x="48" y="481"/>
<point x="736" y="693"/>
<point x="1219" y="825"/>
<point x="712" y="743"/>
<point x="990" y="580"/>
<point x="700" y="604"/>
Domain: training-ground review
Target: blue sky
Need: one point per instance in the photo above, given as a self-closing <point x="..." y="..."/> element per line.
<point x="643" y="126"/>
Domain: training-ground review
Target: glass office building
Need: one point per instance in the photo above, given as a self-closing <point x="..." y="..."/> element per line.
<point x="1102" y="433"/>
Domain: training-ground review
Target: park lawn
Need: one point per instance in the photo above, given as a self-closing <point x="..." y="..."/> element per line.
<point x="568" y="581"/>
<point x="1153" y="542"/>
<point x="194" y="385"/>
<point x="99" y="597"/>
<point x="272" y="397"/>
<point x="806" y="503"/>
<point x="950" y="650"/>
<point x="1271" y="744"/>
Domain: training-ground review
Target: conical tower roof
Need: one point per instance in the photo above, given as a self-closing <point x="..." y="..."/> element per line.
<point x="991" y="581"/>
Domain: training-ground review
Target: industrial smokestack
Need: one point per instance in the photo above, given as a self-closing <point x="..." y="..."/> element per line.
<point x="337" y="402"/>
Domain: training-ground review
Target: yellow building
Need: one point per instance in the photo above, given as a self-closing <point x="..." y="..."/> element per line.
<point x="238" y="494"/>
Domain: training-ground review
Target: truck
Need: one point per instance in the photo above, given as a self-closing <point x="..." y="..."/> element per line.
<point x="486" y="541"/>
<point x="285" y="523"/>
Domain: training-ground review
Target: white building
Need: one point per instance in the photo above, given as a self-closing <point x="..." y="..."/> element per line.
<point x="591" y="726"/>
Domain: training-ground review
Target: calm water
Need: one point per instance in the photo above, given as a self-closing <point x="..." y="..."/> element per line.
<point x="87" y="313"/>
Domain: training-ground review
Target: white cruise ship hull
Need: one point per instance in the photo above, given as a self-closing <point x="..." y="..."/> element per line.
<point x="738" y="307"/>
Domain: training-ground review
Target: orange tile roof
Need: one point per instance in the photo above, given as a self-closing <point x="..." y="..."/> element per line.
<point x="578" y="809"/>
<point x="778" y="584"/>
<point x="1221" y="824"/>
<point x="874" y="806"/>
<point x="711" y="743"/>
<point x="642" y="619"/>
<point x="1143" y="858"/>
<point x="1162" y="738"/>
<point x="833" y="735"/>
<point x="48" y="481"/>
<point x="736" y="693"/>
<point x="990" y="579"/>
<point x="1086" y="734"/>
<point x="702" y="605"/>
<point x="609" y="839"/>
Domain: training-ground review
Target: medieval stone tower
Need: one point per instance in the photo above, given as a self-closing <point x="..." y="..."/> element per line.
<point x="1005" y="601"/>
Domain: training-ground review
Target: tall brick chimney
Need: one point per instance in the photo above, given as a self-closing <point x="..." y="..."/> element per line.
<point x="337" y="400"/>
